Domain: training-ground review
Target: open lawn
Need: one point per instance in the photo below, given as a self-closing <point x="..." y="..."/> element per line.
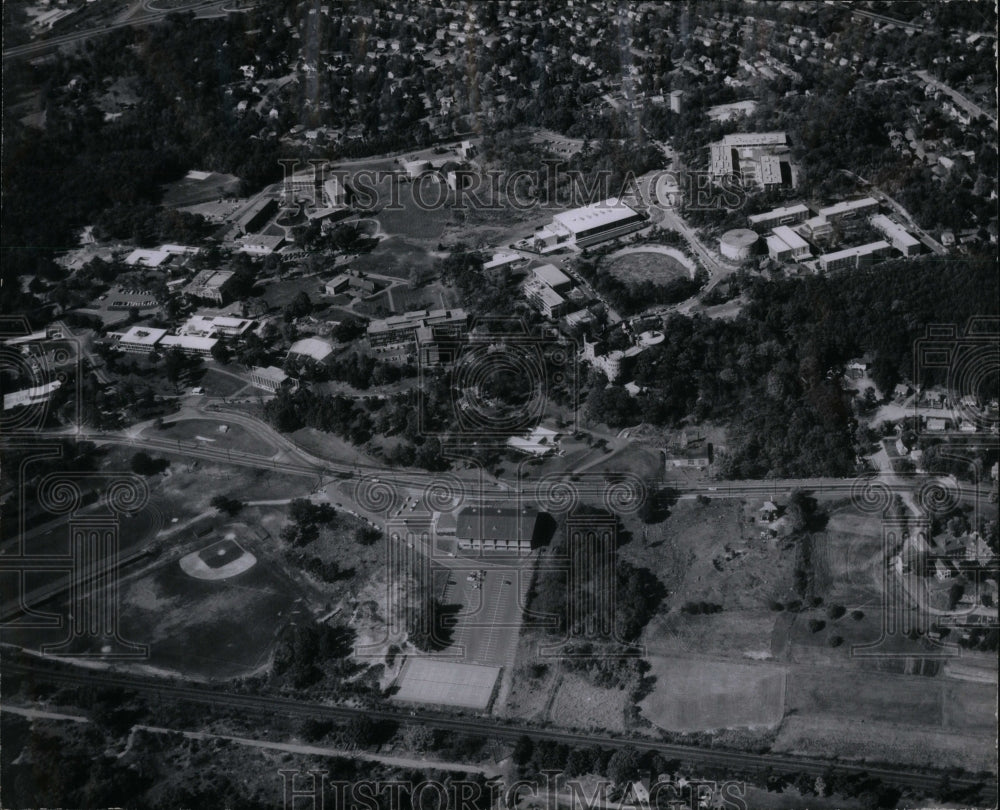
<point x="395" y="256"/>
<point x="206" y="433"/>
<point x="704" y="694"/>
<point x="217" y="384"/>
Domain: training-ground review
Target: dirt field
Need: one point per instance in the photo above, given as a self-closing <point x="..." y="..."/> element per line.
<point x="702" y="694"/>
<point x="646" y="266"/>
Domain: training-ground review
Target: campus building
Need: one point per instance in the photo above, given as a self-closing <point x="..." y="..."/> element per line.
<point x="789" y="215"/>
<point x="855" y="257"/>
<point x="898" y="236"/>
<point x="204" y="325"/>
<point x="755" y="158"/>
<point x="589" y="225"/>
<point x="849" y="209"/>
<point x="401" y="330"/>
<point x="784" y="244"/>
<point x="496" y="528"/>
<point x="256" y="215"/>
<point x="271" y="378"/>
<point x="211" y="285"/>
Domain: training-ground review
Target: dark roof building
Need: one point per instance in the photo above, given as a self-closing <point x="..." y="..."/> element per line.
<point x="497" y="528"/>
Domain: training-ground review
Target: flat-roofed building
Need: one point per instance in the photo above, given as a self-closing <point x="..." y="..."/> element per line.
<point x="595" y="223"/>
<point x="849" y="209"/>
<point x="754" y="157"/>
<point x="788" y="215"/>
<point x="311" y="347"/>
<point x="260" y="244"/>
<point x="898" y="236"/>
<point x="784" y="244"/>
<point x="189" y="344"/>
<point x="503" y="259"/>
<point x="551" y="276"/>
<point x="30" y="396"/>
<point x="550" y="303"/>
<point x="496" y="528"/>
<point x="861" y="256"/>
<point x="401" y="330"/>
<point x="212" y="285"/>
<point x="139" y="339"/>
<point x="204" y="325"/>
<point x="147" y="258"/>
<point x="270" y="378"/>
<point x="337" y="284"/>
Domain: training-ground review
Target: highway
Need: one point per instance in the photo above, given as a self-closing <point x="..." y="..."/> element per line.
<point x="145" y="14"/>
<point x="733" y="761"/>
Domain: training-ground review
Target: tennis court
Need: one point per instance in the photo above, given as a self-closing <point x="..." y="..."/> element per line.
<point x="447" y="683"/>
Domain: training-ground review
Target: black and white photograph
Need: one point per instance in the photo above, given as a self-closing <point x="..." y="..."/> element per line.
<point x="499" y="405"/>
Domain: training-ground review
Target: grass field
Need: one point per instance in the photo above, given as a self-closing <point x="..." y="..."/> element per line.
<point x="579" y="704"/>
<point x="396" y="257"/>
<point x="702" y="694"/>
<point x="234" y="438"/>
<point x="217" y="384"/>
<point x="645" y="265"/>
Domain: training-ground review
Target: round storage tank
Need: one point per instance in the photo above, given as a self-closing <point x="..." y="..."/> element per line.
<point x="737" y="244"/>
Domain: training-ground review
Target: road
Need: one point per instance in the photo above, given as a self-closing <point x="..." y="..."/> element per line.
<point x="241" y="704"/>
<point x="965" y="103"/>
<point x="144" y="14"/>
<point x="882" y="197"/>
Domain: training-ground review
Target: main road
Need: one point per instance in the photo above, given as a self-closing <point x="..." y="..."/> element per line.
<point x="37" y="670"/>
<point x="145" y="13"/>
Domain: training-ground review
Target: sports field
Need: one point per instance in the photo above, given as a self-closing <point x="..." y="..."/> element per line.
<point x="656" y="264"/>
<point x="447" y="683"/>
<point x="703" y="694"/>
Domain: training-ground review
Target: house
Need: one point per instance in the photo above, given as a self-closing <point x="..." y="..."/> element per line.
<point x="769" y="512"/>
<point x="337" y="284"/>
<point x="539" y="442"/>
<point x="977" y="550"/>
<point x="699" y="456"/>
<point x="497" y="528"/>
<point x="942" y="570"/>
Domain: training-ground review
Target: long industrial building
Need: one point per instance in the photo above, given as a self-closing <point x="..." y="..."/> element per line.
<point x="788" y="215"/>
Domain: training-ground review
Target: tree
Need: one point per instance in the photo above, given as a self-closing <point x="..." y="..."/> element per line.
<point x="623" y="766"/>
<point x="221" y="352"/>
<point x="144" y="464"/>
<point x="231" y="506"/>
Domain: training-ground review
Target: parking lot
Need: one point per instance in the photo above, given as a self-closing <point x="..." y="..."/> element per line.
<point x="491" y="595"/>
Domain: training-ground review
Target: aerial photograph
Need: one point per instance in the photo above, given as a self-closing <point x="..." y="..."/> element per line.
<point x="499" y="405"/>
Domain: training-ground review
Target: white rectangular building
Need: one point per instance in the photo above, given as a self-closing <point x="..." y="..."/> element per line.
<point x="861" y="256"/>
<point x="849" y="209"/>
<point x="785" y="244"/>
<point x="900" y="238"/>
<point x="779" y="216"/>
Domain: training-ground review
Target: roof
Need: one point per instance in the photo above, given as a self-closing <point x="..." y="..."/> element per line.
<point x="790" y="238"/>
<point x="770" y="169"/>
<point x="272" y="373"/>
<point x="551" y="275"/>
<point x="501" y="259"/>
<point x="739" y="237"/>
<point x="210" y="280"/>
<point x="497" y="522"/>
<point x="894" y="230"/>
<point x="860" y="250"/>
<point x="755" y="139"/>
<point x="200" y="344"/>
<point x="143" y="335"/>
<point x="778" y="213"/>
<point x="312" y="347"/>
<point x="596" y="215"/>
<point x="847" y="206"/>
<point x="147" y="258"/>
